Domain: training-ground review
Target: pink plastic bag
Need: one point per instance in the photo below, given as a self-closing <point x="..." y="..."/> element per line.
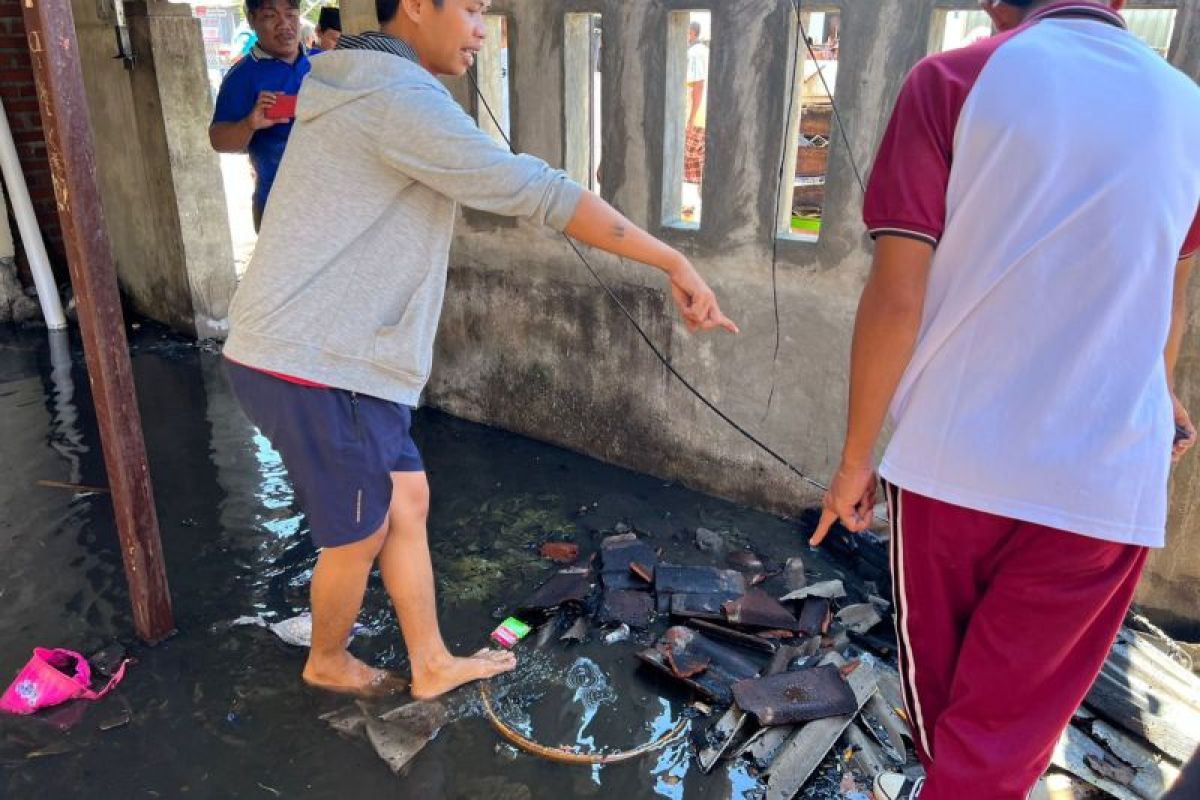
<point x="52" y="677"/>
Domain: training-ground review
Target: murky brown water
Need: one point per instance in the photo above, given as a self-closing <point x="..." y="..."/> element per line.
<point x="216" y="712"/>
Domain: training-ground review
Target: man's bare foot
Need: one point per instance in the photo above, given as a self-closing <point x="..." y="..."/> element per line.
<point x="451" y="672"/>
<point x="345" y="674"/>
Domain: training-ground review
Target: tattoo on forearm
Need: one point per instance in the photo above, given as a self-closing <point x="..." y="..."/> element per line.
<point x="618" y="231"/>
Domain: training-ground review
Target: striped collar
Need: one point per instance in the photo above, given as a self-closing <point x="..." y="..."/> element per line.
<point x="379" y="41"/>
<point x="1078" y="9"/>
<point x="258" y="54"/>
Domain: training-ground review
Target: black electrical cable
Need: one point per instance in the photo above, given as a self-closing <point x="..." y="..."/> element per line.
<point x="783" y="157"/>
<point x="645" y="337"/>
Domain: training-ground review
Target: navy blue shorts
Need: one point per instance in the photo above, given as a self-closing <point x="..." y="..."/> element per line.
<point x="339" y="449"/>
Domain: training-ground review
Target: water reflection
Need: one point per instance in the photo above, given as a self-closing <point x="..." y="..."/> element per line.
<point x="64" y="435"/>
<point x="672" y="765"/>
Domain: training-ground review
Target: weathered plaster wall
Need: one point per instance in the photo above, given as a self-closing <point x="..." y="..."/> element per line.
<point x="530" y="343"/>
<point x="159" y="179"/>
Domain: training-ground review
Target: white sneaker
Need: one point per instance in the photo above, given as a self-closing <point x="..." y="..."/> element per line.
<point x="894" y="786"/>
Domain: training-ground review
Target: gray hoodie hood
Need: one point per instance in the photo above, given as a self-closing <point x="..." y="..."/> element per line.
<point x="360" y="65"/>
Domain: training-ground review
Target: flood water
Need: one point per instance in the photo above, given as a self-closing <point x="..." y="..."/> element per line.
<point x="221" y="712"/>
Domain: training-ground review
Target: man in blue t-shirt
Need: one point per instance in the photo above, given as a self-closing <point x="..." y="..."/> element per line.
<point x="242" y="121"/>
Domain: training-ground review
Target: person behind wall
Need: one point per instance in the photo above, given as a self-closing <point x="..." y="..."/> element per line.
<point x="332" y="329"/>
<point x="697" y="120"/>
<point x="275" y="67"/>
<point x="329" y="30"/>
<point x="308" y="37"/>
<point x="1021" y="323"/>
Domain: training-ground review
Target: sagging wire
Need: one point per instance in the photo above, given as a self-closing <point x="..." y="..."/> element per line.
<point x="783" y="159"/>
<point x="642" y="333"/>
<point x="801" y="36"/>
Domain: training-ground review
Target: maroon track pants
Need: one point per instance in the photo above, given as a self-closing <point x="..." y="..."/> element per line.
<point x="1003" y="626"/>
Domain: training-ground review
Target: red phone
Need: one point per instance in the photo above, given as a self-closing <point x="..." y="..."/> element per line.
<point x="284" y="108"/>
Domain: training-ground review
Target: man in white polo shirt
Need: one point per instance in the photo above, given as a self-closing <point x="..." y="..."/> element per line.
<point x="1021" y="322"/>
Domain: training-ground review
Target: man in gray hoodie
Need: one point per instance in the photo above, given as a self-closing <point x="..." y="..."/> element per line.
<point x="332" y="329"/>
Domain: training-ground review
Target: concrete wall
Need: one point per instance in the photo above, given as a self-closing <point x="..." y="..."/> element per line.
<point x="160" y="182"/>
<point x="530" y="343"/>
<point x="358" y="16"/>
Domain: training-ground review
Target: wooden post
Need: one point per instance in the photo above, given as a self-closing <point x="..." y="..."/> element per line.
<point x="54" y="51"/>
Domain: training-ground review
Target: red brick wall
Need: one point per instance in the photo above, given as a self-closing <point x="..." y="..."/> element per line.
<point x="20" y="103"/>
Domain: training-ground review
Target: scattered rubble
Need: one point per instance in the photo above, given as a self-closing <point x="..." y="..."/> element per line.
<point x="560" y="552"/>
<point x="802" y="688"/>
<point x="797" y="696"/>
<point x="794" y="576"/>
<point x="397" y="735"/>
<point x="296" y="631"/>
<point x="710" y="541"/>
<point x="830" y="590"/>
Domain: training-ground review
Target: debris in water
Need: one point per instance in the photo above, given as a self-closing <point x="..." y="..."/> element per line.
<point x="735" y="636"/>
<point x="860" y="617"/>
<point x="560" y="552"/>
<point x="400" y="734"/>
<point x="793" y="697"/>
<point x="699" y="606"/>
<point x="710" y="541"/>
<point x="296" y="631"/>
<point x="626" y="607"/>
<point x="682" y="642"/>
<point x="107" y="660"/>
<point x="746" y="561"/>
<point x="794" y="577"/>
<point x="620" y="634"/>
<point x="807" y="747"/>
<point x="572" y="585"/>
<point x="577" y="632"/>
<point x="617" y="556"/>
<point x="643" y="572"/>
<point x="671" y="579"/>
<point x="119" y="720"/>
<point x="78" y="488"/>
<point x="830" y="590"/>
<point x="53" y="749"/>
<point x="511" y="631"/>
<point x="719" y="737"/>
<point x="815" y="616"/>
<point x="758" y="609"/>
<point x="349" y="721"/>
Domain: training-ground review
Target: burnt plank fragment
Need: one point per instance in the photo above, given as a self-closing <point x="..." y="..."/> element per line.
<point x="792" y="697"/>
<point x="815" y="616"/>
<point x="757" y="609"/>
<point x="633" y="608"/>
<point x="672" y="579"/>
<point x="565" y="586"/>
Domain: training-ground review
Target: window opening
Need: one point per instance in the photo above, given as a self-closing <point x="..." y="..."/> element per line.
<point x="583" y="85"/>
<point x="810" y="128"/>
<point x="492" y="74"/>
<point x="689" y="48"/>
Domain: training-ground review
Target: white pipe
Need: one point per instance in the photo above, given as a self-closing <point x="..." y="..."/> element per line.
<point x="31" y="234"/>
